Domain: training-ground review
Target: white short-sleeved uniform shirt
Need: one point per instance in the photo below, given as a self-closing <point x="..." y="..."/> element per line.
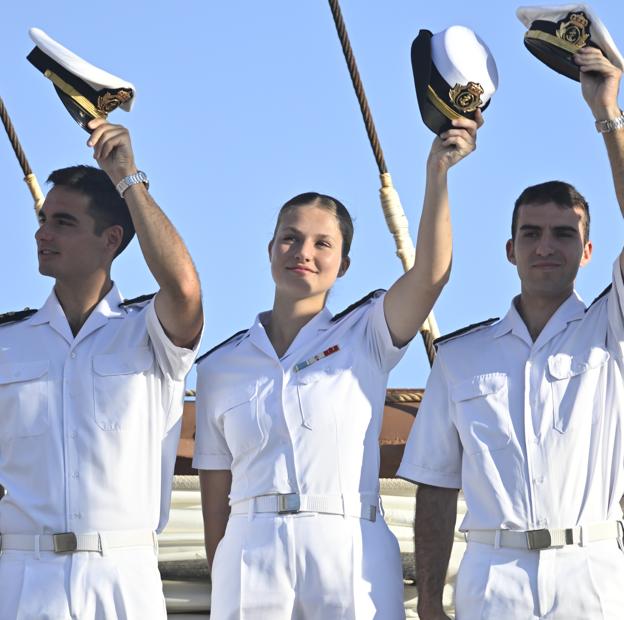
<point x="89" y="424"/>
<point x="533" y="432"/>
<point x="296" y="423"/>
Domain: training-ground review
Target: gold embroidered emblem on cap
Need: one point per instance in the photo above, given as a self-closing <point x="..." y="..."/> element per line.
<point x="110" y="101"/>
<point x="466" y="98"/>
<point x="575" y="31"/>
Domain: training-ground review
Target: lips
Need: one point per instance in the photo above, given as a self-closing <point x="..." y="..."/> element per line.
<point x="46" y="252"/>
<point x="300" y="269"/>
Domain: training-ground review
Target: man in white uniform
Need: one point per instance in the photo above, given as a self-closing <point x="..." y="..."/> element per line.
<point x="91" y="392"/>
<point x="526" y="415"/>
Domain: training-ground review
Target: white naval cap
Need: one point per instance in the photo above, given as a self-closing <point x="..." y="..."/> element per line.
<point x="556" y="33"/>
<point x="454" y="73"/>
<point x="87" y="91"/>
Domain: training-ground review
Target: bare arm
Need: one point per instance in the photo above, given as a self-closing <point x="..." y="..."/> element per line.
<point x="411" y="298"/>
<point x="600" y="83"/>
<point x="436" y="511"/>
<point x="215" y="487"/>
<point x="178" y="303"/>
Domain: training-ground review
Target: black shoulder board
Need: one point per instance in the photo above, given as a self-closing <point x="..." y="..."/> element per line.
<point x="599" y="296"/>
<point x="19" y="315"/>
<point x="136" y="300"/>
<point x="357" y="304"/>
<point x="462" y="331"/>
<point x="218" y="346"/>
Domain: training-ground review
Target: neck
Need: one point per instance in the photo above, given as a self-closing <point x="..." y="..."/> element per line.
<point x="536" y="310"/>
<point x="287" y="318"/>
<point x="78" y="299"/>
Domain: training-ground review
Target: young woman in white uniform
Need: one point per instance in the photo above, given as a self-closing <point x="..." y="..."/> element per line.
<point x="289" y="414"/>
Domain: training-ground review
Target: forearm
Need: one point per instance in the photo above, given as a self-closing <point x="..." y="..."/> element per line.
<point x="614" y="141"/>
<point x="215" y="524"/>
<point x="436" y="511"/>
<point x="163" y="249"/>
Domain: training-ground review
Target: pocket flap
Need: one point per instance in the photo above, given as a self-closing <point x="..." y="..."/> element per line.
<point x="128" y="362"/>
<point x="481" y="385"/>
<point x="14" y="372"/>
<point x="312" y="376"/>
<point x="564" y="366"/>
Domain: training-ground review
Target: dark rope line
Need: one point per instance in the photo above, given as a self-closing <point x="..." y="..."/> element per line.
<point x="357" y="85"/>
<point x="428" y="341"/>
<point x="19" y="153"/>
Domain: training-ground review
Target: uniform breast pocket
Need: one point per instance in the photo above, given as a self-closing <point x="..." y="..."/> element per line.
<point x="120" y="383"/>
<point x="242" y="426"/>
<point x="319" y="390"/>
<point x="482" y="410"/>
<point x="578" y="385"/>
<point x="23" y="399"/>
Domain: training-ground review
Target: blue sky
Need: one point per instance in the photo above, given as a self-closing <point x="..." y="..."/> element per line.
<point x="241" y="105"/>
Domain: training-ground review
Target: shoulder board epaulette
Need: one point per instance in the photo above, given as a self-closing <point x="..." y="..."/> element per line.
<point x="19" y="315"/>
<point x="218" y="346"/>
<point x="136" y="300"/>
<point x="463" y="330"/>
<point x="357" y="304"/>
<point x="599" y="297"/>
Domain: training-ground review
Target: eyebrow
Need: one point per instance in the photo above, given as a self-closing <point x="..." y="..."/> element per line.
<point x="296" y="230"/>
<point x="58" y="216"/>
<point x="534" y="227"/>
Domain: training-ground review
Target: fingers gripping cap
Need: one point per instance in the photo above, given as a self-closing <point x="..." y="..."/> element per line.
<point x="86" y="91"/>
<point x="556" y="33"/>
<point x="454" y="73"/>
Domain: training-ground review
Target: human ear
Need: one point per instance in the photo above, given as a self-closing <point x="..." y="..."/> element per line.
<point x="509" y="249"/>
<point x="114" y="237"/>
<point x="344" y="265"/>
<point x="587" y="253"/>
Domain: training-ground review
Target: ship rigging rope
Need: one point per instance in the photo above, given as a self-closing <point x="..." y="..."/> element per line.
<point x="29" y="177"/>
<point x="394" y="214"/>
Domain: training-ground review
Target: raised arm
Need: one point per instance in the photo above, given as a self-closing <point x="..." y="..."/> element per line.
<point x="600" y="83"/>
<point x="215" y="487"/>
<point x="434" y="527"/>
<point x="178" y="303"/>
<point x="411" y="298"/>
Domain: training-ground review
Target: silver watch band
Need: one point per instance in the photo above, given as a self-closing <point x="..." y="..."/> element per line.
<point x="132" y="179"/>
<point x="611" y="124"/>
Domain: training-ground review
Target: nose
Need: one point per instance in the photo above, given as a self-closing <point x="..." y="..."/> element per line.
<point x="303" y="251"/>
<point x="545" y="246"/>
<point x="42" y="233"/>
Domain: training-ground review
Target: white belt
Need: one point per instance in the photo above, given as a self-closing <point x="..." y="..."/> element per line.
<point x="545" y="538"/>
<point x="292" y="503"/>
<point x="69" y="542"/>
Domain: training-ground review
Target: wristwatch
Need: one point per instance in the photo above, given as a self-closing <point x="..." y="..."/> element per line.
<point x="610" y="124"/>
<point x="132" y="179"/>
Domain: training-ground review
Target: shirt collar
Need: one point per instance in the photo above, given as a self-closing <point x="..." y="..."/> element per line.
<point x="107" y="307"/>
<point x="572" y="309"/>
<point x="319" y="322"/>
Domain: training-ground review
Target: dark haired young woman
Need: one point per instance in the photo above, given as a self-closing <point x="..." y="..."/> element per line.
<point x="289" y="413"/>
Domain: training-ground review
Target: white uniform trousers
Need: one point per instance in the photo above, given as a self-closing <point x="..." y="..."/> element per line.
<point x="565" y="583"/>
<point x="307" y="566"/>
<point x="123" y="584"/>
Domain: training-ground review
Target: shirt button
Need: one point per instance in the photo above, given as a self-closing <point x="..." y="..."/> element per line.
<point x="73" y="434"/>
<point x="76" y="474"/>
<point x="538" y="479"/>
<point x="73" y="355"/>
<point x="77" y="515"/>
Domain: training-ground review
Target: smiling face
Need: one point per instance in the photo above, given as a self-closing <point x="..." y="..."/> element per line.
<point x="68" y="248"/>
<point x="548" y="249"/>
<point x="306" y="253"/>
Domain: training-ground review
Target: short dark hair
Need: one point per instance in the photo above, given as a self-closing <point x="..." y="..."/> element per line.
<point x="322" y="201"/>
<point x="106" y="206"/>
<point x="559" y="192"/>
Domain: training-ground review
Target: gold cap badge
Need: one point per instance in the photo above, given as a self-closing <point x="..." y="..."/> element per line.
<point x="466" y="98"/>
<point x="575" y="30"/>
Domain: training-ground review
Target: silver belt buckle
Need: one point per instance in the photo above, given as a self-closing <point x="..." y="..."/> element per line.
<point x="66" y="542"/>
<point x="288" y="503"/>
<point x="538" y="539"/>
